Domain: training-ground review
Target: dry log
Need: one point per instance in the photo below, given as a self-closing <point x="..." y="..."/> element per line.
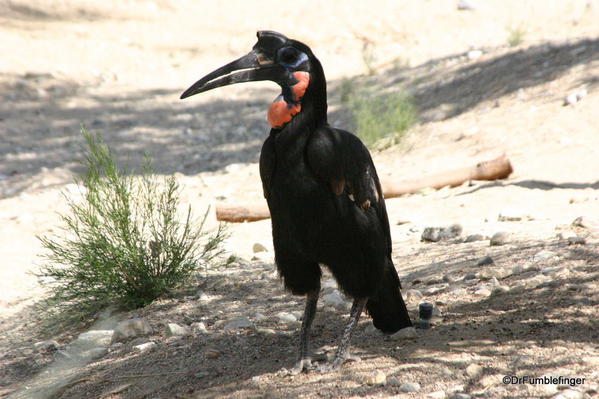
<point x="498" y="168"/>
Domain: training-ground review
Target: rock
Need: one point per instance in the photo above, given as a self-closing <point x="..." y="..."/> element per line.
<point x="511" y="216"/>
<point x="43" y="346"/>
<point x="95" y="338"/>
<point x="569" y="394"/>
<point x="405" y="333"/>
<point x="499" y="238"/>
<point x="436" y="395"/>
<point x="551" y="270"/>
<point x="487" y="260"/>
<point x="175" y="330"/>
<point x="474" y="371"/>
<point x="394" y="382"/>
<point x="576" y="240"/>
<point x="500" y="289"/>
<point x="469" y="276"/>
<point x="460" y="396"/>
<point x="583" y="221"/>
<point x="131" y="328"/>
<point x="543" y="256"/>
<point x="257" y="247"/>
<point x="458" y="292"/>
<point x="145" y="346"/>
<point x="286" y="317"/>
<point x="413" y="295"/>
<point x="482" y="291"/>
<point x="575" y="97"/>
<point x="199" y="327"/>
<point x="465" y="5"/>
<point x="409" y="387"/>
<point x="474" y="54"/>
<point x="334" y="299"/>
<point x="448" y="278"/>
<point x="435" y="234"/>
<point x="493" y="281"/>
<point x="239" y="322"/>
<point x="260" y="317"/>
<point x="93" y="353"/>
<point x="473" y="238"/>
<point x="375" y="378"/>
<point x="536" y="281"/>
<point x="212" y="353"/>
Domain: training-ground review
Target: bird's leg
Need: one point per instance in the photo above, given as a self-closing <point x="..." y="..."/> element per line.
<point x="342" y="355"/>
<point x="305" y="361"/>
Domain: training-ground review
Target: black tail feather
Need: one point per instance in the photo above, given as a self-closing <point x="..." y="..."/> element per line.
<point x="387" y="308"/>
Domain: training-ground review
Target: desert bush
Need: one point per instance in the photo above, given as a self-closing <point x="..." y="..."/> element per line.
<point x="123" y="241"/>
<point x="378" y="115"/>
<point x="515" y="36"/>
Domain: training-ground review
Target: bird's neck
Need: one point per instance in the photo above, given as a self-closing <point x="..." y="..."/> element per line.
<point x="302" y="106"/>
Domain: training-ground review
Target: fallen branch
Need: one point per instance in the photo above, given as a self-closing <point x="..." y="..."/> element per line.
<point x="498" y="168"/>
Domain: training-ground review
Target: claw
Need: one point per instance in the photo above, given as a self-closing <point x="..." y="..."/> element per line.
<point x="338" y="362"/>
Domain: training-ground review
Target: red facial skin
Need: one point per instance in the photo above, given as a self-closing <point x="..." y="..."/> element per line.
<point x="280" y="112"/>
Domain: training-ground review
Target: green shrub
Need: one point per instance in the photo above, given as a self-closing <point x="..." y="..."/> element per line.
<point x="380" y="115"/>
<point x="515" y="36"/>
<point x="122" y="243"/>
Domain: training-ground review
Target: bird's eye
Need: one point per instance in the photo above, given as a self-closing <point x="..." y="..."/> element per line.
<point x="288" y="55"/>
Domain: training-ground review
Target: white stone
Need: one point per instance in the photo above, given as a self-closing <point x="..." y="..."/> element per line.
<point x="174" y="329"/>
<point x="376" y="378"/>
<point x="334" y="299"/>
<point x="409" y="387"/>
<point x="199" y="327"/>
<point x="474" y="371"/>
<point x="239" y="322"/>
<point x="413" y="295"/>
<point x="474" y="54"/>
<point x="286" y="317"/>
<point x="145" y="346"/>
<point x="436" y="395"/>
<point x="95" y="338"/>
<point x="543" y="255"/>
<point x="131" y="328"/>
<point x="482" y="291"/>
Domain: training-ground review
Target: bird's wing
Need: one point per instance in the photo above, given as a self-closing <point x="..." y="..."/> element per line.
<point x="267" y="164"/>
<point x="344" y="163"/>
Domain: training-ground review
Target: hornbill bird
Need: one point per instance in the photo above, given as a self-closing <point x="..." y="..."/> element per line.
<point x="322" y="189"/>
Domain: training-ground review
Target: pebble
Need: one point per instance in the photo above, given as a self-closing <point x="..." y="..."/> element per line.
<point x="458" y="292"/>
<point x="499" y="238"/>
<point x="474" y="237"/>
<point x="575" y="97"/>
<point x="131" y="328"/>
<point x="474" y="54"/>
<point x="94" y="352"/>
<point x="145" y="346"/>
<point x="543" y="255"/>
<point x="500" y="289"/>
<point x="583" y="221"/>
<point x="487" y="260"/>
<point x="537" y="280"/>
<point x="449" y="278"/>
<point x="334" y="299"/>
<point x="257" y="247"/>
<point x="435" y="234"/>
<point x="199" y="327"/>
<point x="286" y="317"/>
<point x="576" y="240"/>
<point x="239" y="322"/>
<point x="465" y="5"/>
<point x="96" y="338"/>
<point x="460" y="396"/>
<point x="413" y="295"/>
<point x="474" y="371"/>
<point x="409" y="387"/>
<point x="405" y="333"/>
<point x="376" y="378"/>
<point x="436" y="395"/>
<point x="174" y="329"/>
<point x="213" y="353"/>
<point x="569" y="394"/>
<point x="509" y="216"/>
<point x="469" y="276"/>
<point x="482" y="291"/>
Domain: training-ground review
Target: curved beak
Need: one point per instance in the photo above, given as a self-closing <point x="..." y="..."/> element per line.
<point x="252" y="67"/>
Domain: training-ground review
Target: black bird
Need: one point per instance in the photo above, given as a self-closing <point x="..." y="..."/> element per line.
<point x="322" y="189"/>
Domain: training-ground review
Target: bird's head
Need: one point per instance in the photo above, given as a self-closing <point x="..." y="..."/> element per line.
<point x="276" y="58"/>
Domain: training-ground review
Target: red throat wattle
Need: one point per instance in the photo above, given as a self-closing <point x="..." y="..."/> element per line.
<point x="280" y="112"/>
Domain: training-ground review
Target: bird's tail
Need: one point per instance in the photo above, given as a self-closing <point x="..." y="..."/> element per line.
<point x="387" y="308"/>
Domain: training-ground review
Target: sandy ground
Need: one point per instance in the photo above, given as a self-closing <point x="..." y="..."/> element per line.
<point x="119" y="67"/>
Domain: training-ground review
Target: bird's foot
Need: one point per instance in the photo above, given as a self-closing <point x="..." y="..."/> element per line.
<point x="337" y="362"/>
<point x="301" y="365"/>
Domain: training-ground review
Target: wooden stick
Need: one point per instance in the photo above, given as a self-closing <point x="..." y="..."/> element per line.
<point x="498" y="168"/>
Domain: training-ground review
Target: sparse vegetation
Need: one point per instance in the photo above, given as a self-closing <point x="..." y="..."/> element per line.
<point x="368" y="56"/>
<point x="515" y="36"/>
<point x="123" y="242"/>
<point x="378" y="115"/>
